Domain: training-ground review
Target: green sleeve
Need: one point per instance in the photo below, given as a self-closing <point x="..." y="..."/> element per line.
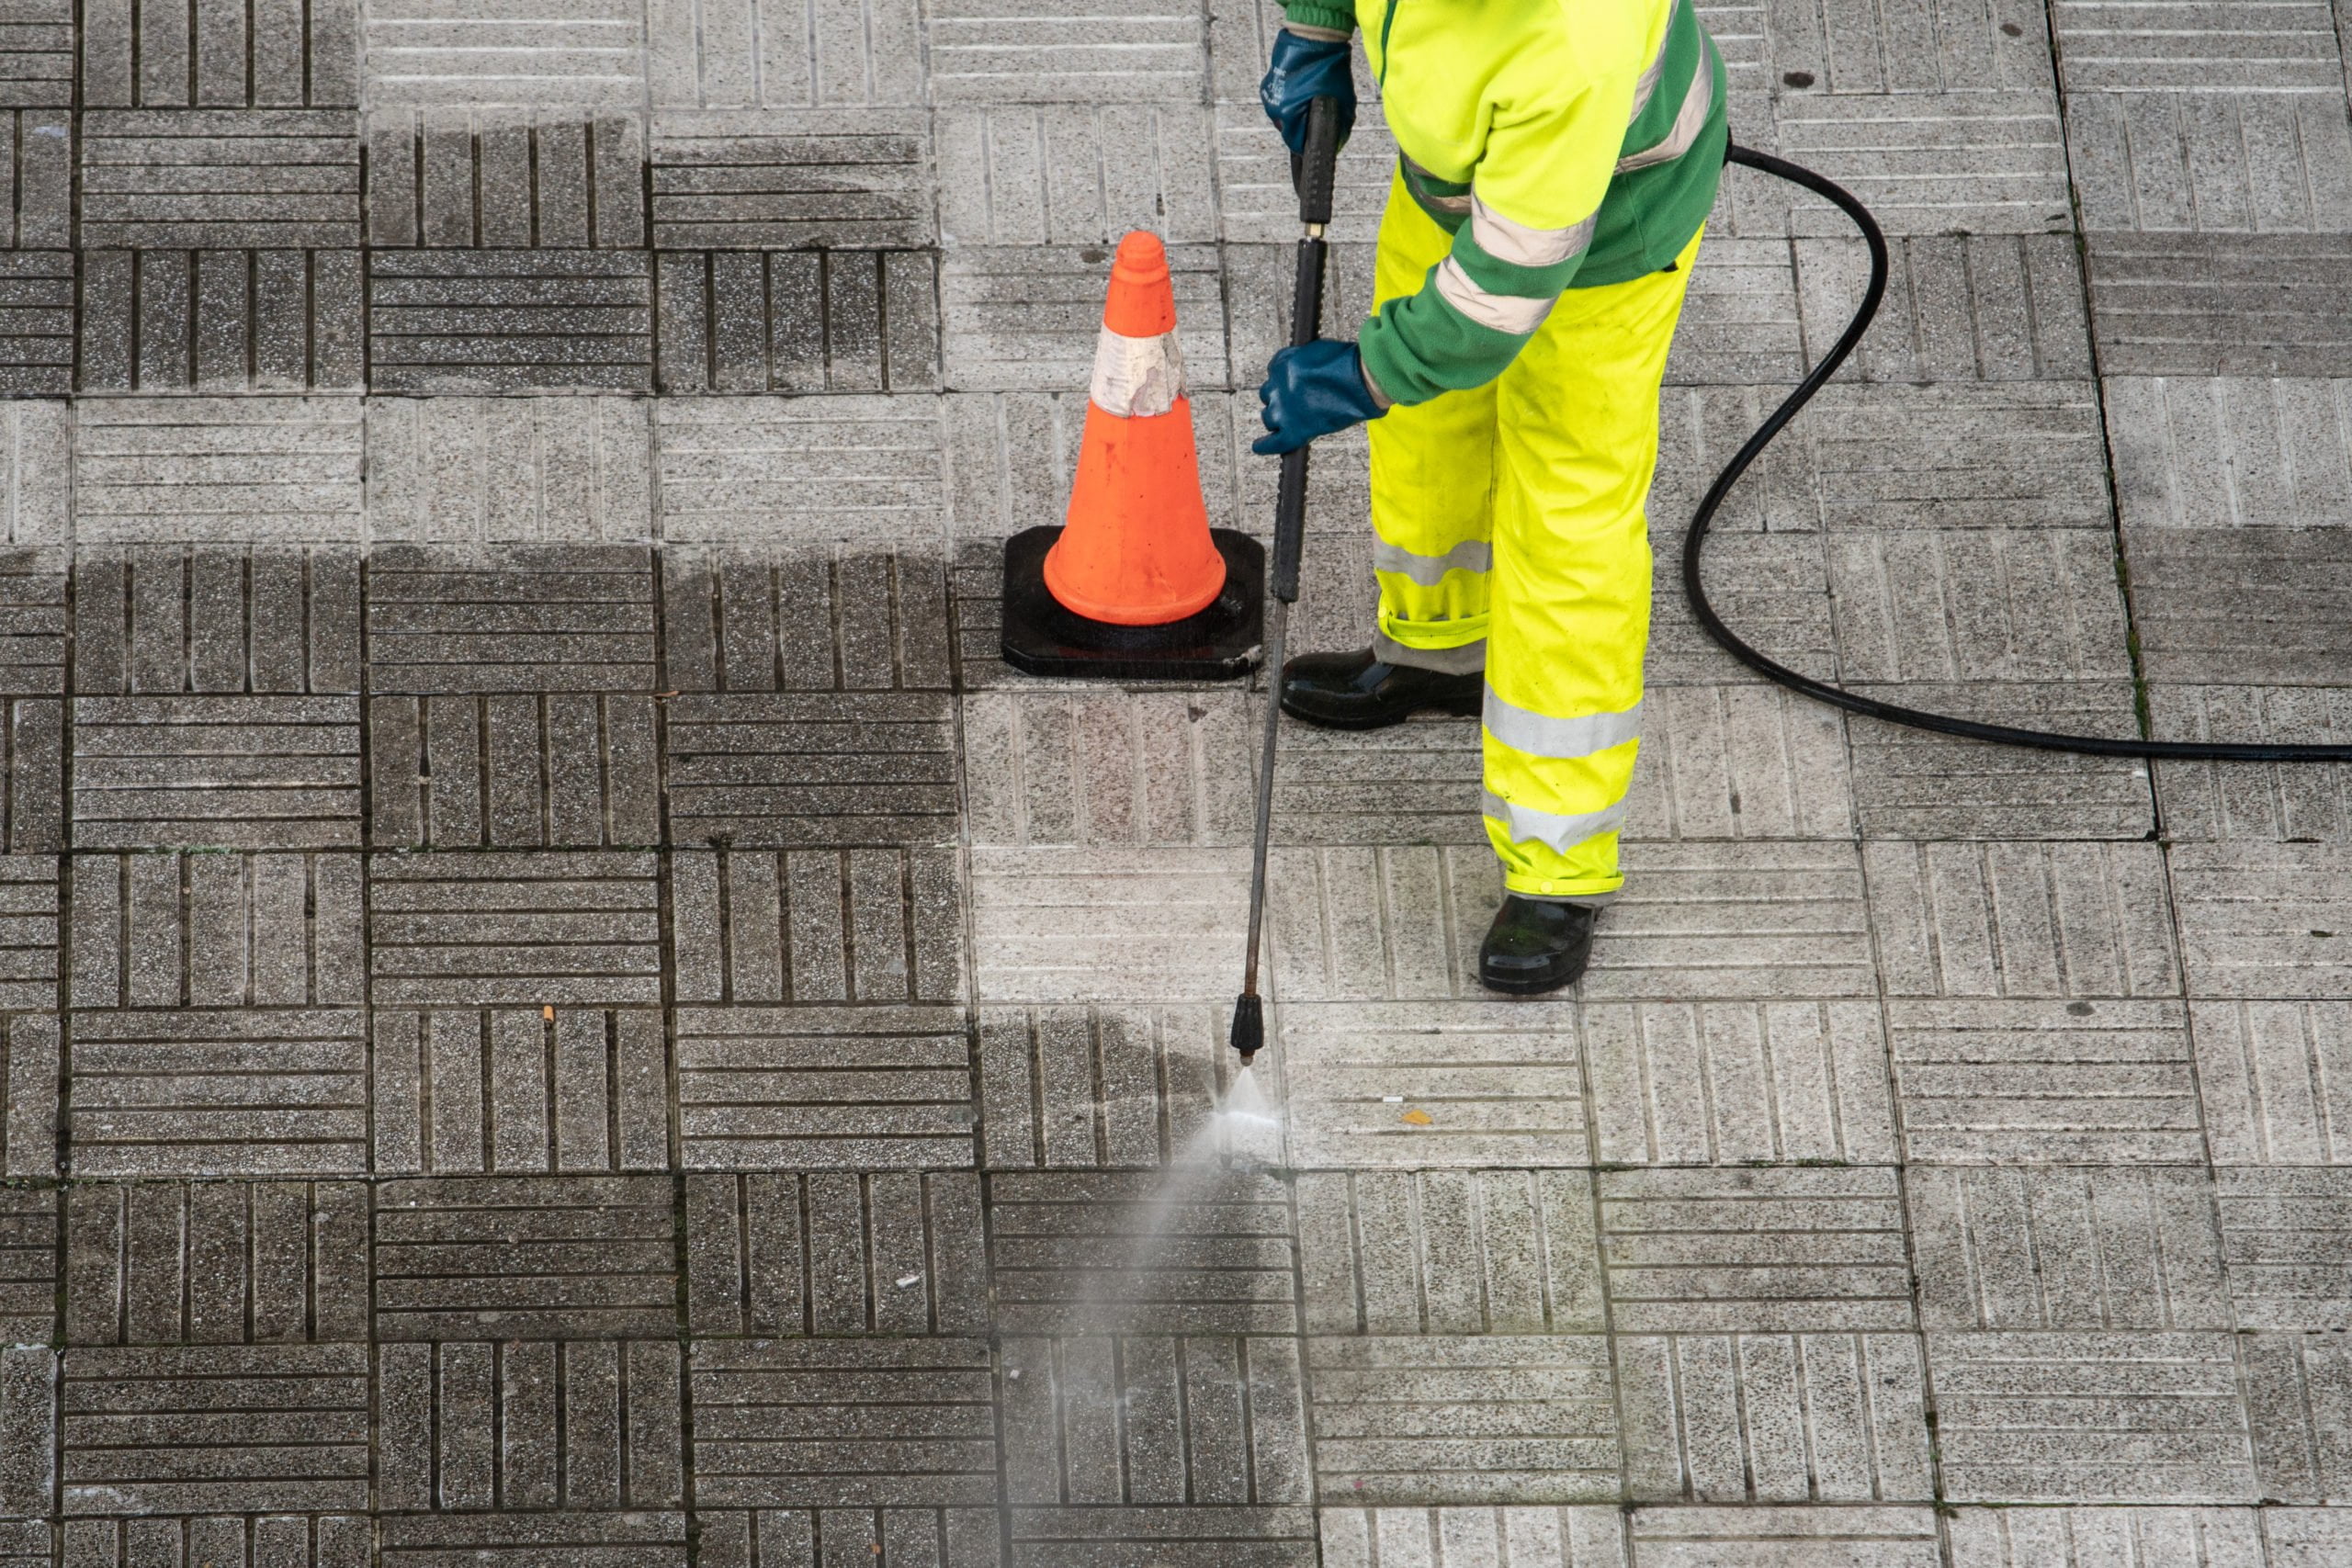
<point x="1308" y="14"/>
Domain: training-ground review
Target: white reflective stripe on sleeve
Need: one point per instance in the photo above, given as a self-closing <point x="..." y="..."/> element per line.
<point x="1470" y="555"/>
<point x="1508" y="240"/>
<point x="1692" y="119"/>
<point x="1418" y="177"/>
<point x="1645" y="84"/>
<point x="1498" y="312"/>
<point x="1135" y="377"/>
<point x="1540" y="736"/>
<point x="1562" y="833"/>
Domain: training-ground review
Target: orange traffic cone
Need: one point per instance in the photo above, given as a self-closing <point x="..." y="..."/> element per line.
<point x="1135" y="583"/>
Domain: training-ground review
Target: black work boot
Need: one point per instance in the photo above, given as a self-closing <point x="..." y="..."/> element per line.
<point x="1536" y="945"/>
<point x="1356" y="691"/>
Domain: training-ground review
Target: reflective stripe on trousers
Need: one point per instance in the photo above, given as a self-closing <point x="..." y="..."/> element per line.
<point x="1509" y="533"/>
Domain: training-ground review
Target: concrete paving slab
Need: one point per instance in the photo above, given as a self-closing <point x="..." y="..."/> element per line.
<point x="2260" y="921"/>
<point x="2264" y="160"/>
<point x="1983" y="1082"/>
<point x="1917" y="785"/>
<point x="302" y="1540"/>
<point x="2240" y="606"/>
<point x="981" y="54"/>
<point x="468" y="1092"/>
<point x="510" y="618"/>
<point x="37" y="321"/>
<point x="1257" y="205"/>
<point x="2287" y="1245"/>
<point x="219" y="469"/>
<point x="1986" y="163"/>
<point x="232" y="1092"/>
<point x="1450" y="1252"/>
<point x="163" y="621"/>
<point x="35" y="500"/>
<point x="1471" y="1083"/>
<point x="655" y="1538"/>
<point x="791" y="179"/>
<point x="1027" y="318"/>
<point x="805" y="619"/>
<point x="1700" y="921"/>
<point x="584" y="54"/>
<point x="1754" y="1249"/>
<point x="468" y="471"/>
<point x="29" y="939"/>
<point x="2219" y="304"/>
<point x="1112" y="1252"/>
<point x="1979" y="605"/>
<point x="1740" y="322"/>
<point x="2105" y="1417"/>
<point x="1774" y="1417"/>
<point x="761" y="54"/>
<point x="1885" y="1537"/>
<point x="1739" y="1083"/>
<point x="220" y="321"/>
<point x="802" y="1538"/>
<point x="209" y="931"/>
<point x="493" y="320"/>
<point x="511" y="772"/>
<point x="2267" y="1075"/>
<point x="294" y="179"/>
<point x="1734" y="762"/>
<point x="1109" y="767"/>
<point x="546" y="1256"/>
<point x="216" y="1263"/>
<point x="577" y="928"/>
<point x="2296" y="1386"/>
<point x="1452" y="1419"/>
<point x="2085" y="1248"/>
<point x="2303" y="1538"/>
<point x="234" y="771"/>
<point x="1413" y="783"/>
<point x="1772" y="589"/>
<point x="2021" y="920"/>
<point x="452" y="177"/>
<point x="2249" y="452"/>
<point x="843" y="1424"/>
<point x="1215" y="1420"/>
<point x="835" y="1253"/>
<point x="764" y="471"/>
<point x="1117" y="1088"/>
<point x="1850" y="48"/>
<point x="32" y="1102"/>
<point x="1076" y="174"/>
<point x="870" y="925"/>
<point x="2097" y="1536"/>
<point x="1193" y="1536"/>
<point x="1058" y="925"/>
<point x="1959" y="308"/>
<point x="1012" y="455"/>
<point x="798" y="1087"/>
<point x="1581" y="1536"/>
<point x="839" y="320"/>
<point x="807" y="769"/>
<point x="2103" y="45"/>
<point x="28" y="1264"/>
<point x="297" y="1415"/>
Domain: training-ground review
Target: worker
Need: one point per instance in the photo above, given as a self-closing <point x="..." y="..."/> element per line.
<point x="1558" y="159"/>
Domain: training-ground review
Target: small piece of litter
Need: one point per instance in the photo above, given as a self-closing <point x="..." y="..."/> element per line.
<point x="1392" y="1099"/>
<point x="547" y="1013"/>
<point x="1417" y="1117"/>
<point x="906" y="1280"/>
<point x="1014" y="1374"/>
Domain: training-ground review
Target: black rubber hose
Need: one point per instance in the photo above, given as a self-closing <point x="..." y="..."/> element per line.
<point x="1694" y="543"/>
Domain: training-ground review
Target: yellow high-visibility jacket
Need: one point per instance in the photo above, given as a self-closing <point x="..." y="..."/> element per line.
<point x="1564" y="143"/>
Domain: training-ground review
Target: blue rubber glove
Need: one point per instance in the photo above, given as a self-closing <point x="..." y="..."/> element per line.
<point x="1313" y="390"/>
<point x="1305" y="69"/>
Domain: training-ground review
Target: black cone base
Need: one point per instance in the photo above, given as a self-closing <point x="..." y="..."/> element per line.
<point x="1218" y="644"/>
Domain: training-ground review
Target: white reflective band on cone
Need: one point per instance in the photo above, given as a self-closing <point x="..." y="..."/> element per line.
<point x="1135" y="377"/>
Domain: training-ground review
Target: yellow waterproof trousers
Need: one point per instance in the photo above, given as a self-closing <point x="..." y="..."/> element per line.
<point x="1509" y="536"/>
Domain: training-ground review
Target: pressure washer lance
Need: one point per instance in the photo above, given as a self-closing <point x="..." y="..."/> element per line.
<point x="1311" y="173"/>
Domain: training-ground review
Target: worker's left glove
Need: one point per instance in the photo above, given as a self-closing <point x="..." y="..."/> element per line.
<point x="1312" y="390"/>
<point x="1305" y="69"/>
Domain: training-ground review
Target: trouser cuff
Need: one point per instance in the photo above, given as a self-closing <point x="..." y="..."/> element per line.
<point x="1598" y="900"/>
<point x="1469" y="659"/>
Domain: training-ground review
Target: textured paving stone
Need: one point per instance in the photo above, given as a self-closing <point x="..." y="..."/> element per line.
<point x="151" y="621"/>
<point x="1109" y="768"/>
<point x="285" y="178"/>
<point x="985" y="55"/>
<point x="493" y="320"/>
<point x="589" y="54"/>
<point x="2286" y="1243"/>
<point x="213" y="930"/>
<point x="30" y="1102"/>
<point x="2119" y="44"/>
<point x="800" y="471"/>
<point x="233" y="1092"/>
<point x="838" y="321"/>
<point x="796" y="1087"/>
<point x="207" y="1428"/>
<point x="843" y="1424"/>
<point x="581" y="928"/>
<point x="28" y="1264"/>
<point x="813" y="619"/>
<point x="2305" y="1538"/>
<point x="2264" y="161"/>
<point x="1212" y="1420"/>
<point x="1732" y="762"/>
<point x="505" y="469"/>
<point x="2094" y="1538"/>
<point x="299" y="1540"/>
<point x="2240" y="605"/>
<point x="465" y="1092"/>
<point x="278" y="773"/>
<point x="2268" y="1077"/>
<point x="2297" y="1389"/>
<point x="792" y="179"/>
<point x="33" y="616"/>
<point x="2210" y="452"/>
<point x="448" y="177"/>
<point x="1740" y="320"/>
<point x="36" y="313"/>
<point x="2012" y="919"/>
<point x="1732" y="1083"/>
<point x="1721" y="1538"/>
<point x="1449" y="1252"/>
<point x="2045" y="1082"/>
<point x="640" y="1539"/>
<point x="1080" y="925"/>
<point x="222" y="319"/>
<point x="2077" y="1248"/>
<point x="1078" y="173"/>
<point x="1774" y="1417"/>
<point x="1493" y="1083"/>
<point x="1587" y="1536"/>
<point x="1846" y="49"/>
<point x="28" y="933"/>
<point x="777" y="54"/>
<point x="1959" y="308"/>
<point x="2219" y="304"/>
<point x="830" y="1254"/>
<point x="1913" y="783"/>
<point x="29" y="1418"/>
<point x="802" y="1538"/>
<point x="811" y="769"/>
<point x="1454" y="1420"/>
<point x="37" y="190"/>
<point x="2000" y="482"/>
<point x="548" y="1256"/>
<point x="817" y="925"/>
<point x="2263" y="920"/>
<point x="1114" y="1088"/>
<point x="2099" y="1418"/>
<point x="1197" y="1534"/>
<point x="1986" y="163"/>
<point x="578" y="1426"/>
<point x="37" y="56"/>
<point x="216" y="1263"/>
<point x="1257" y="206"/>
<point x="1027" y="318"/>
<point x="1774" y="589"/>
<point x="523" y="617"/>
<point x="1108" y="1253"/>
<point x="1982" y="605"/>
<point x="513" y="771"/>
<point x="147" y="53"/>
<point x="218" y="468"/>
<point x="1754" y="1249"/>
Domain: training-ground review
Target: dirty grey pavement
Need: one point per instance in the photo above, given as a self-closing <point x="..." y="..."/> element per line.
<point x="563" y="1010"/>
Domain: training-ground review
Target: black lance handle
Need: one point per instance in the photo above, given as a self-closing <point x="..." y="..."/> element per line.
<point x="1313" y="173"/>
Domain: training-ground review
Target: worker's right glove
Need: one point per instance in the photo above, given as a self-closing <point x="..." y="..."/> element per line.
<point x="1310" y="392"/>
<point x="1305" y="69"/>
